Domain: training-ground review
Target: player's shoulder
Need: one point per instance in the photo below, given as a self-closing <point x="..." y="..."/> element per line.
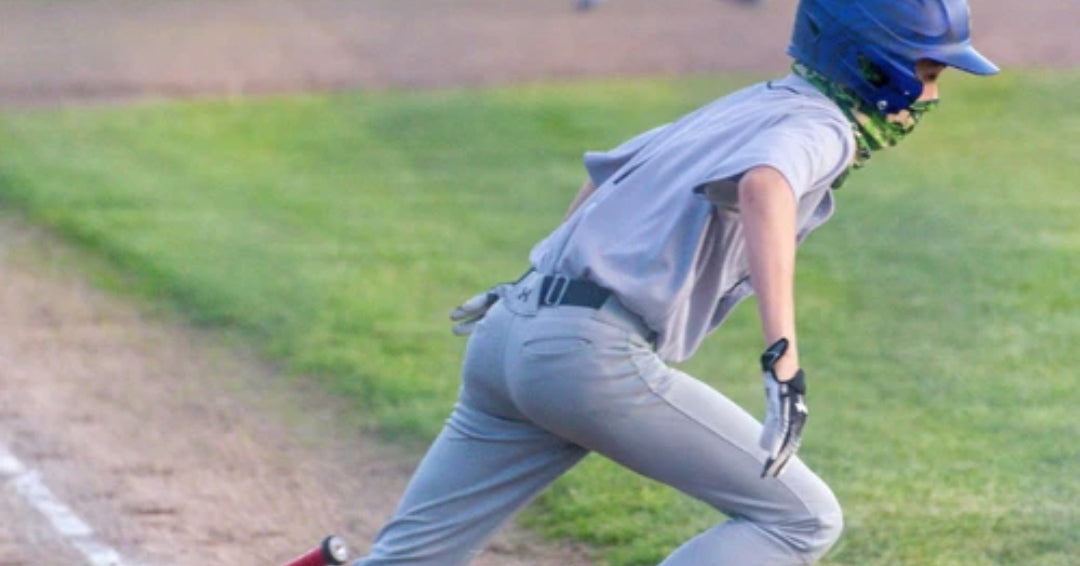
<point x="788" y="100"/>
<point x="800" y="122"/>
<point x="784" y="114"/>
<point x="800" y="107"/>
<point x="801" y="101"/>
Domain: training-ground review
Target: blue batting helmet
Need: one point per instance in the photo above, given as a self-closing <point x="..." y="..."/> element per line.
<point x="871" y="46"/>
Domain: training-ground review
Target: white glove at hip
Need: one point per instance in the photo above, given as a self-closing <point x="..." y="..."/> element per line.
<point x="468" y="314"/>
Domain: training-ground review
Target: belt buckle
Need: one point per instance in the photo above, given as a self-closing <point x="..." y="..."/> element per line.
<point x="556" y="291"/>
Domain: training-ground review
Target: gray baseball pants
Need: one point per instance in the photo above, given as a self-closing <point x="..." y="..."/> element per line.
<point x="542" y="387"/>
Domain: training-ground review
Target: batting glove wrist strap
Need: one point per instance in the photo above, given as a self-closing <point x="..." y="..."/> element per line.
<point x="785" y="412"/>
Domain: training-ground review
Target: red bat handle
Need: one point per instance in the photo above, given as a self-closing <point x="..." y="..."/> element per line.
<point x="331" y="552"/>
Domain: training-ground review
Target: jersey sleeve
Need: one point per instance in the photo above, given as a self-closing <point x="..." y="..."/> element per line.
<point x="601" y="165"/>
<point x="809" y="152"/>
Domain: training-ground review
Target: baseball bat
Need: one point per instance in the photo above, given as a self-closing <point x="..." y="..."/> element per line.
<point x="331" y="552"/>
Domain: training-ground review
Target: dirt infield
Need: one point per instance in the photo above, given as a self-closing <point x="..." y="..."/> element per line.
<point x="179" y="450"/>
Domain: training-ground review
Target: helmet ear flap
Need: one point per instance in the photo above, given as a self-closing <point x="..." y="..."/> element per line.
<point x="891" y="86"/>
<point x="821" y="42"/>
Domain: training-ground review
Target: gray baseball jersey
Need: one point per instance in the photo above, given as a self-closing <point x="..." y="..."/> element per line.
<point x="662" y="230"/>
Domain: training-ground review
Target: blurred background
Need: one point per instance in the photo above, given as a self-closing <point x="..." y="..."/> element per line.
<point x="62" y="50"/>
<point x="306" y="188"/>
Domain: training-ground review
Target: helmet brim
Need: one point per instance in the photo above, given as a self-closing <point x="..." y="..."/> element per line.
<point x="967" y="59"/>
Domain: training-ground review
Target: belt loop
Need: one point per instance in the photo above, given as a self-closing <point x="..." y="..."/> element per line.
<point x="556" y="290"/>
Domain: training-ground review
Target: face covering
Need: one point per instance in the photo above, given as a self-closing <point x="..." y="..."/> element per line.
<point x="873" y="130"/>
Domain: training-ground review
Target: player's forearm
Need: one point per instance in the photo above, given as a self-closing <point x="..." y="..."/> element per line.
<point x="583" y="194"/>
<point x="767" y="206"/>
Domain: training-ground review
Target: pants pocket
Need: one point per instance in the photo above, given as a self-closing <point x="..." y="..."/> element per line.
<point x="555" y="346"/>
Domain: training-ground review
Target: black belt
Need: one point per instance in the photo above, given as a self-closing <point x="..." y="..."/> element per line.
<point x="561" y="290"/>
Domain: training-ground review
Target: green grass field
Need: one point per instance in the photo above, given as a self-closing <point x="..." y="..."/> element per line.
<point x="939" y="311"/>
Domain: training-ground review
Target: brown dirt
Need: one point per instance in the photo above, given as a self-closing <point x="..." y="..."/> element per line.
<point x="178" y="447"/>
<point x="182" y="449"/>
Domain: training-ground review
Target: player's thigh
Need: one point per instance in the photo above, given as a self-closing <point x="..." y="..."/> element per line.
<point x="610" y="393"/>
<point x="691" y="437"/>
<point x="478" y="472"/>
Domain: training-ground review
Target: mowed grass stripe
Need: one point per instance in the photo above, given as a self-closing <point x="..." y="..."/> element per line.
<point x="938" y="311"/>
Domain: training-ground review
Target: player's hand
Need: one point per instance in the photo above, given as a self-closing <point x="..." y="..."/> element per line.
<point x="785" y="412"/>
<point x="468" y="314"/>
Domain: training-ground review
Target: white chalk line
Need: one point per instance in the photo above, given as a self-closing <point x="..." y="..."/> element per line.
<point x="28" y="484"/>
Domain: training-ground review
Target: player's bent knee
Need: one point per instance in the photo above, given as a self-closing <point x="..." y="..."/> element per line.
<point x="822" y="528"/>
<point x="812" y="530"/>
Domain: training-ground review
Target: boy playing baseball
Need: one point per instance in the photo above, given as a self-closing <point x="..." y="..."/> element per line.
<point x="673" y="228"/>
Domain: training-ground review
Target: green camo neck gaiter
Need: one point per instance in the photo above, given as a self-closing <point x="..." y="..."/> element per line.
<point x="873" y="130"/>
